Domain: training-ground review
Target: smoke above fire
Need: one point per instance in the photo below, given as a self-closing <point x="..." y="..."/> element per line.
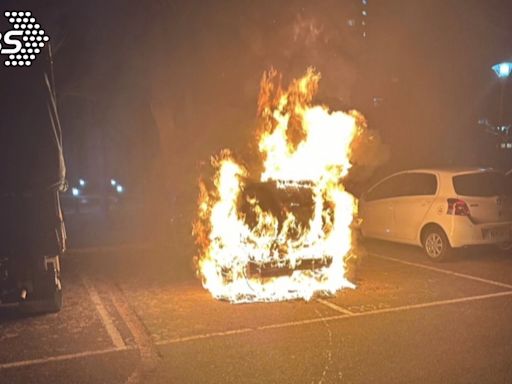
<point x="282" y="230"/>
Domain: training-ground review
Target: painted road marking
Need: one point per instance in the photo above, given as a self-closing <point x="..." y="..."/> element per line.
<point x="71" y="356"/>
<point x="334" y="307"/>
<point x="206" y="336"/>
<point x="264" y="327"/>
<point x="148" y="354"/>
<point x="107" y="321"/>
<point x="440" y="270"/>
<point x="337" y="317"/>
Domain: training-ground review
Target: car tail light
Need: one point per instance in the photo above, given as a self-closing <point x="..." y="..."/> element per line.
<point x="458" y="207"/>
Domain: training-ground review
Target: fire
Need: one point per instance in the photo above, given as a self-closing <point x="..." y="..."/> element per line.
<point x="287" y="235"/>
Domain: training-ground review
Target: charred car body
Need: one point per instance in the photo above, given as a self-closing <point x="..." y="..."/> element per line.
<point x="282" y="200"/>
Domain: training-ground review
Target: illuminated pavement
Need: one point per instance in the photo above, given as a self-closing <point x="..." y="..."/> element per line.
<point x="146" y="321"/>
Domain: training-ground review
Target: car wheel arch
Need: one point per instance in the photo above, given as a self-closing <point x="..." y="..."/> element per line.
<point x="425" y="227"/>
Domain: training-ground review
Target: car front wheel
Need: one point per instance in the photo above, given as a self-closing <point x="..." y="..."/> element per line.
<point x="436" y="244"/>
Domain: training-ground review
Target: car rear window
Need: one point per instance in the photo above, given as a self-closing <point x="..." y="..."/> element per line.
<point x="482" y="184"/>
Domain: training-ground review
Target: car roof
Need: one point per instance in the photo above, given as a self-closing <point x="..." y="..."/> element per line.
<point x="449" y="170"/>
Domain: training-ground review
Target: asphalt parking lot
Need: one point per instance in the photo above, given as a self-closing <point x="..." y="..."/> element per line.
<point x="132" y="316"/>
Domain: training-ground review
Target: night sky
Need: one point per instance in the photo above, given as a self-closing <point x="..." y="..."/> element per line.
<point x="148" y="91"/>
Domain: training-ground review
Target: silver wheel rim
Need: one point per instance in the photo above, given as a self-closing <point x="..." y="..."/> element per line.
<point x="434" y="245"/>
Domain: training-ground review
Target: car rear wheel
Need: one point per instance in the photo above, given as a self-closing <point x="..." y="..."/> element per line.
<point x="47" y="294"/>
<point x="436" y="244"/>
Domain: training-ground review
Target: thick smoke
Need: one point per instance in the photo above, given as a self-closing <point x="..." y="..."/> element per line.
<point x="368" y="152"/>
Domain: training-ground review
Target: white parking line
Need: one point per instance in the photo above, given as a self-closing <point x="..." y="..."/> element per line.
<point x="148" y="354"/>
<point x="205" y="336"/>
<point x="440" y="270"/>
<point x="261" y="328"/>
<point x="107" y="321"/>
<point x="71" y="356"/>
<point x="334" y="307"/>
<point x="337" y="317"/>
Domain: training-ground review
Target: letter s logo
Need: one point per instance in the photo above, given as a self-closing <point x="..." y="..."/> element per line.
<point x="24" y="41"/>
<point x="9" y="41"/>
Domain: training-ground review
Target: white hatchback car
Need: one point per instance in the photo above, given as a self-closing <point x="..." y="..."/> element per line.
<point x="439" y="209"/>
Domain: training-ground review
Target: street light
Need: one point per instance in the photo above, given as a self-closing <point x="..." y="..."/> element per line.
<point x="502" y="70"/>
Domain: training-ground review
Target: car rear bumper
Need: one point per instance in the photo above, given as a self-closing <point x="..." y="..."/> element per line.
<point x="465" y="232"/>
<point x="285" y="267"/>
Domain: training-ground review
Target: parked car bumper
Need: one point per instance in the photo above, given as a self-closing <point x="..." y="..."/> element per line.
<point x="464" y="232"/>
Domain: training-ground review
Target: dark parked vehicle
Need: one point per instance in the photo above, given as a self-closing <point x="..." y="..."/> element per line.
<point x="32" y="239"/>
<point x="32" y="172"/>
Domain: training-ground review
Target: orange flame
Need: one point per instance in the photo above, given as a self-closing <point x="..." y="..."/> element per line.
<point x="305" y="151"/>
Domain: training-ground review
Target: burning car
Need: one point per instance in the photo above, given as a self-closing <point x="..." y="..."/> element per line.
<point x="282" y="231"/>
<point x="281" y="200"/>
